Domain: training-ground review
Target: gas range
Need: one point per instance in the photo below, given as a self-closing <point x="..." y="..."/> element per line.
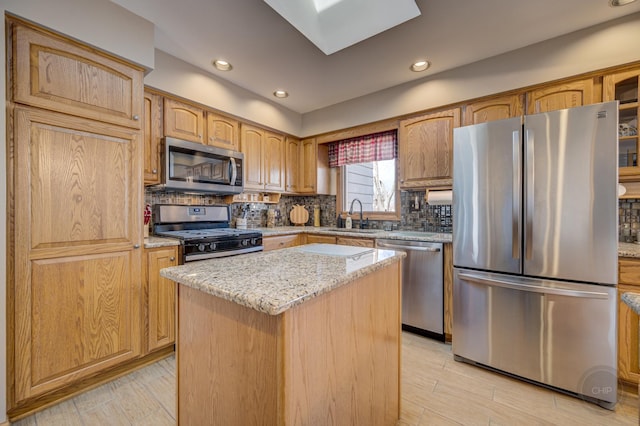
<point x="204" y="231"/>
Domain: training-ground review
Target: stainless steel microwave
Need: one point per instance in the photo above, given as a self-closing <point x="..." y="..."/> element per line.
<point x="194" y="167"/>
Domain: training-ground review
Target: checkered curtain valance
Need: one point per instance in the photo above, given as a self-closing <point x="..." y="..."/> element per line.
<point x="364" y="149"/>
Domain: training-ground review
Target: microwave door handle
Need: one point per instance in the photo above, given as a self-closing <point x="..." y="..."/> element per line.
<point x="233" y="171"/>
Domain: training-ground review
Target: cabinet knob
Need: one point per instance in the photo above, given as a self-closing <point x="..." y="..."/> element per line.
<point x="154" y="171"/>
<point x="136" y="246"/>
<point x="401" y="180"/>
<point x="171" y="259"/>
<point x="200" y="136"/>
<point x="136" y="117"/>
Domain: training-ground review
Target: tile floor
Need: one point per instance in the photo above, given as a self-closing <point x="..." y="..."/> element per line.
<point x="436" y="390"/>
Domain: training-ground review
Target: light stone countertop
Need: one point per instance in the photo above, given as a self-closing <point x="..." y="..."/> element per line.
<point x="275" y="281"/>
<point x="633" y="300"/>
<point x="432" y="237"/>
<point x="154" y="242"/>
<point x="628" y="250"/>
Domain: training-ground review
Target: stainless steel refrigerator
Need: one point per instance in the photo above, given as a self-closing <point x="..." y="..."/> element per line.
<point x="535" y="230"/>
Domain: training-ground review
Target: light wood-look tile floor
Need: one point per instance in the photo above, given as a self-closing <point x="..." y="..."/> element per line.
<point x="436" y="390"/>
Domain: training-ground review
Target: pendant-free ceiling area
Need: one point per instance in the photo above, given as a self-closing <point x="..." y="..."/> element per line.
<point x="333" y="25"/>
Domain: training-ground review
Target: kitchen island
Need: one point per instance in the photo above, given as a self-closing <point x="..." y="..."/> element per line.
<point x="305" y="335"/>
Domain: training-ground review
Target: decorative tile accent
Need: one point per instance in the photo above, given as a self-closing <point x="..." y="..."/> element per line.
<point x="628" y="220"/>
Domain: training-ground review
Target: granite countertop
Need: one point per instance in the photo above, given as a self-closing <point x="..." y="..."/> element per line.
<point x="275" y="281"/>
<point x="628" y="250"/>
<point x="432" y="237"/>
<point x="633" y="300"/>
<point x="154" y="242"/>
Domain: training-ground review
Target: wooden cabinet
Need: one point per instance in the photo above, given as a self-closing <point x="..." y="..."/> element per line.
<point x="264" y="159"/>
<point x="448" y="290"/>
<point x="160" y="296"/>
<point x="183" y="121"/>
<point x="152" y="132"/>
<point x="560" y="96"/>
<point x="280" y="241"/>
<point x="322" y="239"/>
<point x="293" y="166"/>
<point x="425" y="148"/>
<point x="77" y="225"/>
<point x="354" y="241"/>
<point x="222" y="131"/>
<point x="628" y="322"/>
<point x="56" y="74"/>
<point x="309" y="167"/>
<point x="623" y="87"/>
<point x="493" y="109"/>
<point x="75" y="217"/>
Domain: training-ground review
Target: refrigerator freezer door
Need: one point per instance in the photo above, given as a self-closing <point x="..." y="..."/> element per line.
<point x="555" y="333"/>
<point x="570" y="194"/>
<point x="487" y="170"/>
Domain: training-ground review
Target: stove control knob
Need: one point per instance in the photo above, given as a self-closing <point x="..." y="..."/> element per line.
<point x="213" y="246"/>
<point x="201" y="247"/>
<point x="244" y="242"/>
<point x="254" y="242"/>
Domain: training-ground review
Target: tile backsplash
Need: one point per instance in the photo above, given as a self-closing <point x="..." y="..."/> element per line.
<point x="418" y="217"/>
<point x="628" y="220"/>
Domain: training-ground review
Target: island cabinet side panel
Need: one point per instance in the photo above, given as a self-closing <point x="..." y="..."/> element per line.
<point x="226" y="370"/>
<point x="341" y="354"/>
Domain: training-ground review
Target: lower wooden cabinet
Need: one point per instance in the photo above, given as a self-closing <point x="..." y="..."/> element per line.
<point x="280" y="241"/>
<point x="322" y="239"/>
<point x="160" y="297"/>
<point x="360" y="242"/>
<point x="448" y="291"/>
<point x="628" y="322"/>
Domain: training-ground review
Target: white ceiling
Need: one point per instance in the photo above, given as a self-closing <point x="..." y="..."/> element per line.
<point x="268" y="53"/>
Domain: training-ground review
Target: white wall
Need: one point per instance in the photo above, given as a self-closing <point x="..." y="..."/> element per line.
<point x="182" y="79"/>
<point x="602" y="46"/>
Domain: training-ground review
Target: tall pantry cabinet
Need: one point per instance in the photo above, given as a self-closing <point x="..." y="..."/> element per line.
<point x="75" y="185"/>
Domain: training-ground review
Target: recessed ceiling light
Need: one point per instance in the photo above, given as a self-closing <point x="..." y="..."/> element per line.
<point x="222" y="65"/>
<point x="280" y="94"/>
<point x="420" y="66"/>
<point x="616" y="3"/>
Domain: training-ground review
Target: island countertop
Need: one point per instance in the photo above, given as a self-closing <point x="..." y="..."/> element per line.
<point x="273" y="282"/>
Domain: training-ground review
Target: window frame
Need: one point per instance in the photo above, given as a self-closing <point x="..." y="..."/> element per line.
<point x="340" y="208"/>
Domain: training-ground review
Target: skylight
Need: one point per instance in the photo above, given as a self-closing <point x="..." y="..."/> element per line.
<point x="333" y="25"/>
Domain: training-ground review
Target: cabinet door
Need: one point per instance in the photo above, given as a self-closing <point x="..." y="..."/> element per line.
<point x="623" y="87"/>
<point x="222" y="131"/>
<point x="426" y="149"/>
<point x="360" y="242"/>
<point x="448" y="290"/>
<point x="628" y="329"/>
<point x="292" y="173"/>
<point x="274" y="162"/>
<point x="77" y="264"/>
<point x="183" y="121"/>
<point x="161" y="298"/>
<point x="252" y="145"/>
<point x="493" y="109"/>
<point x="152" y="137"/>
<point x="57" y="74"/>
<point x="309" y="166"/>
<point x="561" y="96"/>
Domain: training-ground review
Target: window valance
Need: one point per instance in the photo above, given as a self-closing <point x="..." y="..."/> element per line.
<point x="364" y="149"/>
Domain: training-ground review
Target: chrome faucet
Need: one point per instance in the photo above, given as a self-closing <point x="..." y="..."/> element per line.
<point x="351" y="211"/>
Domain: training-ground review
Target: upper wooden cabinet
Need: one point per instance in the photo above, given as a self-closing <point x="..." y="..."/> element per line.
<point x="309" y="167"/>
<point x="152" y="137"/>
<point x="292" y="160"/>
<point x="566" y="95"/>
<point x="274" y="162"/>
<point x="493" y="109"/>
<point x="623" y="87"/>
<point x="183" y="121"/>
<point x="264" y="159"/>
<point x="222" y="131"/>
<point x="425" y="148"/>
<point x="57" y="74"/>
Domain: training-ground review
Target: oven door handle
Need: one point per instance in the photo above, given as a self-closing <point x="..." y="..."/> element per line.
<point x="233" y="172"/>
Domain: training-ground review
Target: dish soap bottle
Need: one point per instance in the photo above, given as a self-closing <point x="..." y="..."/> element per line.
<point x="347" y="222"/>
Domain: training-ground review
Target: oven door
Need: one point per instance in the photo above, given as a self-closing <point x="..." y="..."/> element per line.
<point x="200" y="168"/>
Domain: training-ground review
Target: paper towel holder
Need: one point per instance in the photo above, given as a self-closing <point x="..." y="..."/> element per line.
<point x="435" y="189"/>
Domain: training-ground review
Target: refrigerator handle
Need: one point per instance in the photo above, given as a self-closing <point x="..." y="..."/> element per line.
<point x="515" y="203"/>
<point x="529" y="202"/>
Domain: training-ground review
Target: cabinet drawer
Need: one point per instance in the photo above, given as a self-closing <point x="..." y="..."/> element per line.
<point x="283" y="241"/>
<point x="360" y="242"/>
<point x="629" y="271"/>
<point x="57" y="74"/>
<point x="323" y="239"/>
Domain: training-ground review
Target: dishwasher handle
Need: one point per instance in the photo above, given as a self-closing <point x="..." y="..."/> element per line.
<point x="414" y="248"/>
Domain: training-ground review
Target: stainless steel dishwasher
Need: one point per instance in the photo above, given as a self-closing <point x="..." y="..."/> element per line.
<point x="422" y="286"/>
